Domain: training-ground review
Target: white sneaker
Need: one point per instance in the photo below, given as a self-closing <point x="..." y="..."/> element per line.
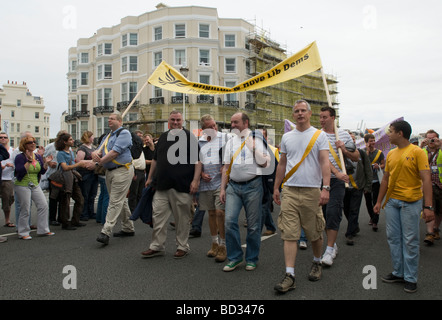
<point x="302" y="245"/>
<point x="327" y="258"/>
<point x="335" y="251"/>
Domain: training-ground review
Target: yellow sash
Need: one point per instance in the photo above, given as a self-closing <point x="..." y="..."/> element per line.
<point x="306" y="153"/>
<point x="377" y="157"/>
<point x="338" y="161"/>
<point x="126" y="165"/>
<point x="233" y="159"/>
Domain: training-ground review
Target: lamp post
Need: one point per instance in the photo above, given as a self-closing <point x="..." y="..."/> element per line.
<point x="185" y="72"/>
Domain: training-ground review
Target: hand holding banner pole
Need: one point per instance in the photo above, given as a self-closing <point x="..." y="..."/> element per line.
<point x="341" y="156"/>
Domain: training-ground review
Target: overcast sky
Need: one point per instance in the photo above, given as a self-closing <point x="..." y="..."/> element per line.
<point x="386" y="54"/>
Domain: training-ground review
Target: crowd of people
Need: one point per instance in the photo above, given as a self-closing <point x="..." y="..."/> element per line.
<point x="314" y="176"/>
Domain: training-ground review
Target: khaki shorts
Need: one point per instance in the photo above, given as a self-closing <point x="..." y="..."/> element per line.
<point x="300" y="209"/>
<point x="209" y="200"/>
<point x="7" y="194"/>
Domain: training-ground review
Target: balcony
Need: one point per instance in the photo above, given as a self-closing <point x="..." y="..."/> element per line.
<point x="232" y="104"/>
<point x="82" y="114"/>
<point x="250" y="106"/>
<point x="205" y="100"/>
<point x="179" y="100"/>
<point x="70" y="118"/>
<point x="158" y="100"/>
<point x="103" y="109"/>
<point x="121" y="106"/>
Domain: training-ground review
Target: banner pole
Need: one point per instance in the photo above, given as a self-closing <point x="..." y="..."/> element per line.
<point x="127" y="109"/>
<point x="341" y="156"/>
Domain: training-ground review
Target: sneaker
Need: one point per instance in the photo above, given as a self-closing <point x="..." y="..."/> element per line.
<point x="287" y="284"/>
<point x="327" y="258"/>
<point x="302" y="245"/>
<point x="350" y="241"/>
<point x="26" y="238"/>
<point x="391" y="278"/>
<point x="213" y="250"/>
<point x="47" y="234"/>
<point x="221" y="255"/>
<point x="410" y="287"/>
<point x="231" y="266"/>
<point x="315" y="272"/>
<point x="250" y="266"/>
<point x="269" y="233"/>
<point x="429" y="239"/>
<point x="103" y="238"/>
<point x="3" y="239"/>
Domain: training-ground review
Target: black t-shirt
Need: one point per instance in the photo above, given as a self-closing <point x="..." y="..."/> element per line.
<point x="148" y="155"/>
<point x="175" y="160"/>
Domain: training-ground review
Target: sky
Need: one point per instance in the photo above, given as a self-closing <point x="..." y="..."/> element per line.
<point x="386" y="54"/>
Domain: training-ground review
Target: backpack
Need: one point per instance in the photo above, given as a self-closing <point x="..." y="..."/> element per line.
<point x="137" y="145"/>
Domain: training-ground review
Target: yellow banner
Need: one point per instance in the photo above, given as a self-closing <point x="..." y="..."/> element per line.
<point x="301" y="63"/>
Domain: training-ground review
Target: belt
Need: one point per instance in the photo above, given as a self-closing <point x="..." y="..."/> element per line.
<point x="111" y="169"/>
<point x="245" y="182"/>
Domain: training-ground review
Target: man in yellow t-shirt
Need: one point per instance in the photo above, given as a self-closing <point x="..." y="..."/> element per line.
<point x="407" y="174"/>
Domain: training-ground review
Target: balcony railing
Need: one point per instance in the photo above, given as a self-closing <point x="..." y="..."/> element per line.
<point x="82" y="114"/>
<point x="205" y="99"/>
<point x="178" y="100"/>
<point x="250" y="105"/>
<point x="233" y="104"/>
<point x="103" y="109"/>
<point x="158" y="100"/>
<point x="121" y="106"/>
<point x="69" y="118"/>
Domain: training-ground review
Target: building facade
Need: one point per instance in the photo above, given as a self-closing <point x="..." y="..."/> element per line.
<point x="21" y="112"/>
<point x="108" y="69"/>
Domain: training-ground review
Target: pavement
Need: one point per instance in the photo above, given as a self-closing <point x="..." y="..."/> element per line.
<point x="72" y="265"/>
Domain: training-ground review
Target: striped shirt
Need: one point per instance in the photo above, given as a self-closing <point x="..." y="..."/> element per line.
<point x="345" y="137"/>
<point x="211" y="158"/>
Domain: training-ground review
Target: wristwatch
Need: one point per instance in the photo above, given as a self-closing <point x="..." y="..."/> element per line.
<point x="429" y="208"/>
<point x="327" y="188"/>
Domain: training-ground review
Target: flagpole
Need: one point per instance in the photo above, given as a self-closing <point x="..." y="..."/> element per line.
<point x="341" y="156"/>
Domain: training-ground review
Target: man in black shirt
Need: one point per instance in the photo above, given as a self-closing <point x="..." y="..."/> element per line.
<point x="175" y="174"/>
<point x="148" y="150"/>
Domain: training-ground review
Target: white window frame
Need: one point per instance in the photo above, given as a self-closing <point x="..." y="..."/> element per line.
<point x="84" y="78"/>
<point x="101" y="72"/>
<point x="127" y="64"/>
<point x="84" y="57"/>
<point x="175" y="30"/>
<point x="183" y="62"/>
<point x="227" y="42"/>
<point x="226" y="64"/>
<point x="155" y="34"/>
<point x="208" y="31"/>
<point x="231" y="96"/>
<point x="200" y="62"/>
<point x="126" y="39"/>
<point x="157" y="60"/>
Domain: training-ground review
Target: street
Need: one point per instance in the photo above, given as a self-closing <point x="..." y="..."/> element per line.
<point x="72" y="265"/>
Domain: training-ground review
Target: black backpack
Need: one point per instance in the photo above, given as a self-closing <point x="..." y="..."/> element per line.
<point x="137" y="145"/>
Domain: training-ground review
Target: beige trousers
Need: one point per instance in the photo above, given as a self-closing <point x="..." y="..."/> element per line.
<point x="118" y="183"/>
<point x="164" y="203"/>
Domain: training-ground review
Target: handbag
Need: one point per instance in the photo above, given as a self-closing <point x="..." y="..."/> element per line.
<point x="57" y="178"/>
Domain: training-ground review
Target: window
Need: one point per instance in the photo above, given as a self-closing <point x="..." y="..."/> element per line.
<point x="84" y="126"/>
<point x="128" y="95"/>
<point x="104" y="97"/>
<point x="74" y="85"/>
<point x="180" y="57"/>
<point x="231" y="96"/>
<point x="12" y="113"/>
<point x="37" y="115"/>
<point x="204" y="31"/>
<point x="158" y="57"/>
<point x="230" y="65"/>
<point x="204" y="57"/>
<point x="84" y="57"/>
<point x="84" y="78"/>
<point x="73" y="65"/>
<point x="158" y="32"/>
<point x="158" y="92"/>
<point x="129" y="39"/>
<point x="37" y="129"/>
<point x="73" y="105"/>
<point x="84" y="103"/>
<point x="104" y="48"/>
<point x="104" y="72"/>
<point x="133" y="64"/>
<point x="229" y="40"/>
<point x="180" y="31"/>
<point x="18" y="103"/>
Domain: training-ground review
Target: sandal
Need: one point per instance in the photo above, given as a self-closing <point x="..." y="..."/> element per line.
<point x="9" y="225"/>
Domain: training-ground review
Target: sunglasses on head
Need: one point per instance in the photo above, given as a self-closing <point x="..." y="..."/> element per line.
<point x="31" y="142"/>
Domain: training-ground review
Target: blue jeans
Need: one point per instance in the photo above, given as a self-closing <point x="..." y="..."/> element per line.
<point x="89" y="189"/>
<point x="333" y="209"/>
<point x="250" y="196"/>
<point x="103" y="201"/>
<point x="402" y="224"/>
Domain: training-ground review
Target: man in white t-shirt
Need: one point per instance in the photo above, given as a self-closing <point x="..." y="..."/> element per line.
<point x="333" y="210"/>
<point x="302" y="197"/>
<point x="244" y="189"/>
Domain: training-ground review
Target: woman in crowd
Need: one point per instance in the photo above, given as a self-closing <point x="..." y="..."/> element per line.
<point x="89" y="180"/>
<point x="29" y="167"/>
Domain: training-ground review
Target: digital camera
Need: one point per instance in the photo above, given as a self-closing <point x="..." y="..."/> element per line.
<point x="31" y="185"/>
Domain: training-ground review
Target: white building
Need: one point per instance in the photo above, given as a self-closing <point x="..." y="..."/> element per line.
<point x="21" y="112"/>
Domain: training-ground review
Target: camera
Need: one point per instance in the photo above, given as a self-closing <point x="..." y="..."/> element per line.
<point x="432" y="140"/>
<point x="31" y="185"/>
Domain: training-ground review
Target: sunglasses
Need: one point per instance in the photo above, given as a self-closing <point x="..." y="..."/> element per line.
<point x="31" y="142"/>
<point x="3" y="137"/>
